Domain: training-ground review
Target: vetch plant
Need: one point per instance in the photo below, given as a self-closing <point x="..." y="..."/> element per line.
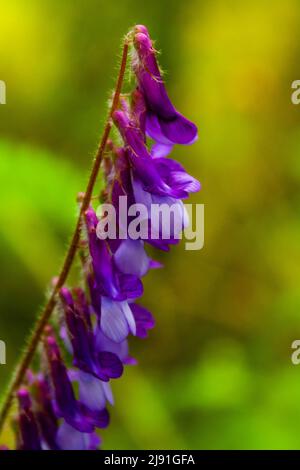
<point x="80" y="340"/>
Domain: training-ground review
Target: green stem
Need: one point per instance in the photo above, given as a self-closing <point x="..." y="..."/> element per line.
<point x="48" y="309"/>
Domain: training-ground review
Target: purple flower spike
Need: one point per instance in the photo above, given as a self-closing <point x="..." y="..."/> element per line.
<point x="164" y="123"/>
<point x="95" y="321"/>
<point x="29" y="434"/>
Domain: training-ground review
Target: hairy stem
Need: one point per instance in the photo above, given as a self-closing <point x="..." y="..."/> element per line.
<point x="48" y="309"/>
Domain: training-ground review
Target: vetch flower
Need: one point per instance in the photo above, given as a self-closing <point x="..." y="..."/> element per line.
<point x="109" y="281"/>
<point x="73" y="411"/>
<point x="142" y="164"/>
<point x="103" y="365"/>
<point x="64" y="403"/>
<point x="164" y="123"/>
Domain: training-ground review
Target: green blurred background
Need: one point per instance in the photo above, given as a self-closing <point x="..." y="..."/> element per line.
<point x="216" y="372"/>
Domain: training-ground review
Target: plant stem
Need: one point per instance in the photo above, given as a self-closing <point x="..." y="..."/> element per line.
<point x="48" y="309"/>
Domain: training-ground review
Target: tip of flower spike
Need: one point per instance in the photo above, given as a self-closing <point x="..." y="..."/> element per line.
<point x="140" y="28"/>
<point x="143" y="43"/>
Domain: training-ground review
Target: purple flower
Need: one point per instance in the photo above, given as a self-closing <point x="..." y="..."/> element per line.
<point x="133" y="188"/>
<point x="103" y="365"/>
<point x="157" y="176"/>
<point x="109" y="281"/>
<point x="74" y="412"/>
<point x="160" y="233"/>
<point x="114" y="317"/>
<point x="164" y="123"/>
<point x="175" y="175"/>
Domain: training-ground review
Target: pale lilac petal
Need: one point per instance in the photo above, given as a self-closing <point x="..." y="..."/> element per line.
<point x="69" y="438"/>
<point x="131" y="257"/>
<point x="91" y="392"/>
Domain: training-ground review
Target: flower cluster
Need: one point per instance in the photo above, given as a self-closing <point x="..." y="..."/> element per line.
<point x="86" y="345"/>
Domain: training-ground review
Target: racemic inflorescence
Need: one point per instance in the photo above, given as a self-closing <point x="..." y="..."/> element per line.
<point x="86" y="343"/>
